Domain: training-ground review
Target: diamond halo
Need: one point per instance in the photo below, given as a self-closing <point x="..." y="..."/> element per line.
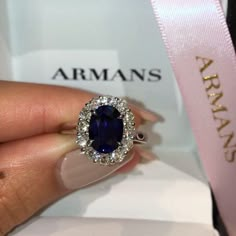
<point x="85" y="143"/>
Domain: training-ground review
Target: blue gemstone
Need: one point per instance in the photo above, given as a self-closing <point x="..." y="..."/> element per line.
<point x="105" y="129"/>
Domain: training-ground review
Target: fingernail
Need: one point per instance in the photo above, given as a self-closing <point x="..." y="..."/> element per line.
<point x="145" y="113"/>
<point x="76" y="171"/>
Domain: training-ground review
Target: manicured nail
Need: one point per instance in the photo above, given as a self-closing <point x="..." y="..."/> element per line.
<point x="145" y="113"/>
<point x="76" y="171"/>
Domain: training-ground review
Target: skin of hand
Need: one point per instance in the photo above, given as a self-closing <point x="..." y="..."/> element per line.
<point x="38" y="162"/>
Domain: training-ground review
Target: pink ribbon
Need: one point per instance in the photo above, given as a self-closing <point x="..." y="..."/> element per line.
<point x="203" y="59"/>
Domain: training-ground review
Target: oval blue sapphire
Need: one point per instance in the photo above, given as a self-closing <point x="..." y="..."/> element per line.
<point x="105" y="129"/>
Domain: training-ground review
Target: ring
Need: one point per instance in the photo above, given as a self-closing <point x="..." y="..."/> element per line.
<point x="106" y="130"/>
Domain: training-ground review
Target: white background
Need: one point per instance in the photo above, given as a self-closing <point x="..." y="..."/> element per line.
<point x="115" y="34"/>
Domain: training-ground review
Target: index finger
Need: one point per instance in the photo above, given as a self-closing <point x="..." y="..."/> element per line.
<point x="33" y="109"/>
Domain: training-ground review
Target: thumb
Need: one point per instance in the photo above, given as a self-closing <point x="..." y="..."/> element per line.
<point x="39" y="171"/>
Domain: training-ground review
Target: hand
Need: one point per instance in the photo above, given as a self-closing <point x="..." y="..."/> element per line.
<point x="39" y="164"/>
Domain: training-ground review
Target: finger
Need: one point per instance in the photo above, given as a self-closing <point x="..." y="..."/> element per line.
<point x="142" y="156"/>
<point x="90" y="173"/>
<point x="40" y="170"/>
<point x="33" y="109"/>
<point x="131" y="165"/>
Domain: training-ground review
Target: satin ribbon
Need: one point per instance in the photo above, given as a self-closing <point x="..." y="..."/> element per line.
<point x="202" y="56"/>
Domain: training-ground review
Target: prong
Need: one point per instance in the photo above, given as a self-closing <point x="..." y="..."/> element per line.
<point x="89" y="143"/>
<point x="82" y="150"/>
<point x="93" y="112"/>
<point x="119" y="143"/>
<point x="121" y="117"/>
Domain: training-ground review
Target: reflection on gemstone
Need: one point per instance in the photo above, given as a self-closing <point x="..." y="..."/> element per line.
<point x="106" y="129"/>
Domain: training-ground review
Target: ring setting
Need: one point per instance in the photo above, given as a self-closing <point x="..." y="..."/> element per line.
<point x="106" y="130"/>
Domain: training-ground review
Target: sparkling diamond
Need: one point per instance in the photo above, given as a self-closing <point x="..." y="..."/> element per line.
<point x="84" y="115"/>
<point x="103" y="100"/>
<point x="127" y="144"/>
<point x="83" y="126"/>
<point x="129" y="116"/>
<point x="81" y="141"/>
